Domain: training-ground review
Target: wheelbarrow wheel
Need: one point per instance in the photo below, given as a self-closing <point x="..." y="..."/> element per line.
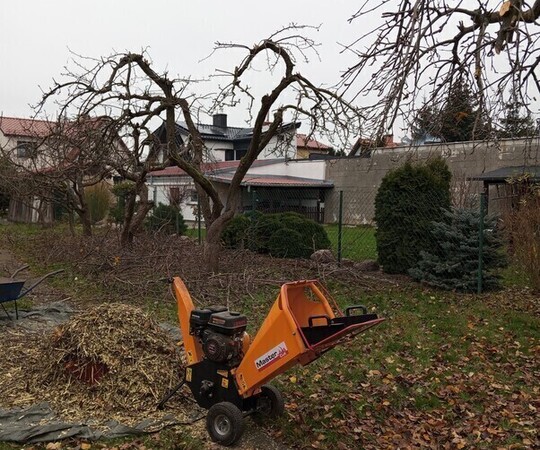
<point x="225" y="423"/>
<point x="270" y="404"/>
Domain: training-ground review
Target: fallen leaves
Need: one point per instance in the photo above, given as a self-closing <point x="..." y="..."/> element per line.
<point x="471" y="385"/>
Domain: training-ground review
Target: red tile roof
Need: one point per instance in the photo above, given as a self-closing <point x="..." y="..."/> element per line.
<point x="209" y="168"/>
<point x="312" y="144"/>
<point x="206" y="167"/>
<point x="14" y="126"/>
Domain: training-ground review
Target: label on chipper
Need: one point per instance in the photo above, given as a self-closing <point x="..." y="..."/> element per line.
<point x="271" y="356"/>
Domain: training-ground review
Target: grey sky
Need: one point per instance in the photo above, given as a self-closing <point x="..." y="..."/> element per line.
<point x="36" y="35"/>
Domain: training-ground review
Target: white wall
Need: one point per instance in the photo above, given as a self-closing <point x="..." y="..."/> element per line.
<point x="158" y="191"/>
<point x="302" y="168"/>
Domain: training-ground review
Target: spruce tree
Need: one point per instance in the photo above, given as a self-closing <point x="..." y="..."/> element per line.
<point x="454" y="264"/>
<point x="426" y="124"/>
<point x="514" y="124"/>
<point x="458" y="114"/>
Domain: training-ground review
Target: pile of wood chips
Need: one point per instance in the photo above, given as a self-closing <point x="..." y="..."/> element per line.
<point x="112" y="361"/>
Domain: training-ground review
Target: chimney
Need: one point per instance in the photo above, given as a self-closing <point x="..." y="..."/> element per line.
<point x="389" y="140"/>
<point x="220" y="120"/>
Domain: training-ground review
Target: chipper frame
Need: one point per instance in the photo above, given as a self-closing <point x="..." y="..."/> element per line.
<point x="228" y="374"/>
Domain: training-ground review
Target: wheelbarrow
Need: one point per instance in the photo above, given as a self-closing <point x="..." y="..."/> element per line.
<point x="12" y="289"/>
<point x="228" y="373"/>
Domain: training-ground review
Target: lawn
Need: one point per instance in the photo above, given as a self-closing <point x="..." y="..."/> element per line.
<point x="444" y="370"/>
<point x="358" y="243"/>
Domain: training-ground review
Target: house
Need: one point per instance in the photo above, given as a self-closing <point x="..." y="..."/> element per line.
<point x="226" y="143"/>
<point x="306" y="147"/>
<point x="270" y="185"/>
<point x="20" y="140"/>
<point x="275" y="182"/>
<point x="45" y="154"/>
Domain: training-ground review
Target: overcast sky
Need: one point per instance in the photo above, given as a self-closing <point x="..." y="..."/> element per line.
<point x="36" y="37"/>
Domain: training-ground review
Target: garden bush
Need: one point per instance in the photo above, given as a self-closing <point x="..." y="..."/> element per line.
<point x="407" y="203"/>
<point x="455" y="266"/>
<point x="98" y="199"/>
<point x="236" y="233"/>
<point x="280" y="234"/>
<point x="166" y="218"/>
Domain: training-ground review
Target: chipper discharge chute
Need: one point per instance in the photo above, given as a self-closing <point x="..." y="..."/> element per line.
<point x="228" y="374"/>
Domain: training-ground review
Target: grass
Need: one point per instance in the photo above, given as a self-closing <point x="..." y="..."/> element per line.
<point x="357" y="243"/>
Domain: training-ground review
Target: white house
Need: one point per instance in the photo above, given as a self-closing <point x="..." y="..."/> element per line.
<point x="270" y="185"/>
<point x="275" y="182"/>
<point x="226" y="143"/>
<point x="20" y="140"/>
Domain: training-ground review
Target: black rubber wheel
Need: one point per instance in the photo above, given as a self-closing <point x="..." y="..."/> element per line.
<point x="225" y="423"/>
<point x="270" y="403"/>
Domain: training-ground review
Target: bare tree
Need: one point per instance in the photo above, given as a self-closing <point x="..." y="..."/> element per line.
<point x="128" y="89"/>
<point x="420" y="48"/>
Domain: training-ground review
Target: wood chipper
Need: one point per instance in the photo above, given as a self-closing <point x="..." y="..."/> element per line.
<point x="228" y="373"/>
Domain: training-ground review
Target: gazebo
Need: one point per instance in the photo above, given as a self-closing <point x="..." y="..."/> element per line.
<point x="514" y="181"/>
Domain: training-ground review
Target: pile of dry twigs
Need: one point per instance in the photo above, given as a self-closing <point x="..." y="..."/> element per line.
<point x="110" y="361"/>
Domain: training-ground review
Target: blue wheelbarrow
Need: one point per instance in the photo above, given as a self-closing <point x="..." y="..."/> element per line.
<point x="12" y="289"/>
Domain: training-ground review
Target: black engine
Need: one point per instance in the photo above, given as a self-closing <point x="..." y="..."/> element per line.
<point x="220" y="332"/>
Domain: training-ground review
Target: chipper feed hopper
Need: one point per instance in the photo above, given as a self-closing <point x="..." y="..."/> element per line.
<point x="228" y="373"/>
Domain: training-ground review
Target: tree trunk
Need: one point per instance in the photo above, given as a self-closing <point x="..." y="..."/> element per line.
<point x="212" y="246"/>
<point x="71" y="222"/>
<point x="212" y="243"/>
<point x="126" y="237"/>
<point x="86" y="222"/>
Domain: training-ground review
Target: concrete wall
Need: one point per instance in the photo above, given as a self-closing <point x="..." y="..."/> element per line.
<point x="359" y="178"/>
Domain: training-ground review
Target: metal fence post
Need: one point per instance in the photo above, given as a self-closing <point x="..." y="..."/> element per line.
<point x="253" y="199"/>
<point x="481" y="240"/>
<point x="340" y="227"/>
<point x="199" y="231"/>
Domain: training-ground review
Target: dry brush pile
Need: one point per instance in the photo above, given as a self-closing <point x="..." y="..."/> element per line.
<point x="136" y="275"/>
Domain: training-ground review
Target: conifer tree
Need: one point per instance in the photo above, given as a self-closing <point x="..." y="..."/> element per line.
<point x="457" y="117"/>
<point x="514" y="124"/>
<point x="454" y="265"/>
<point x="408" y="201"/>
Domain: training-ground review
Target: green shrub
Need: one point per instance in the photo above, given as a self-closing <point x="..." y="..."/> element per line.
<point x="455" y="267"/>
<point x="288" y="243"/>
<point x="315" y="233"/>
<point x="236" y="233"/>
<point x="281" y="234"/>
<point x="166" y="218"/>
<point x="408" y="201"/>
<point x="98" y="199"/>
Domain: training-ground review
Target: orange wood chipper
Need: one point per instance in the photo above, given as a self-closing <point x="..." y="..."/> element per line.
<point x="228" y="373"/>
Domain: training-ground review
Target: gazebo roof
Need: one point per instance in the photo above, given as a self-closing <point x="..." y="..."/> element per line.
<point x="501" y="175"/>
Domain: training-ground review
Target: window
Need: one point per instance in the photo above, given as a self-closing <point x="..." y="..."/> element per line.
<point x="193" y="196"/>
<point x="26" y="149"/>
<point x="234" y="155"/>
<point x="229" y="155"/>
